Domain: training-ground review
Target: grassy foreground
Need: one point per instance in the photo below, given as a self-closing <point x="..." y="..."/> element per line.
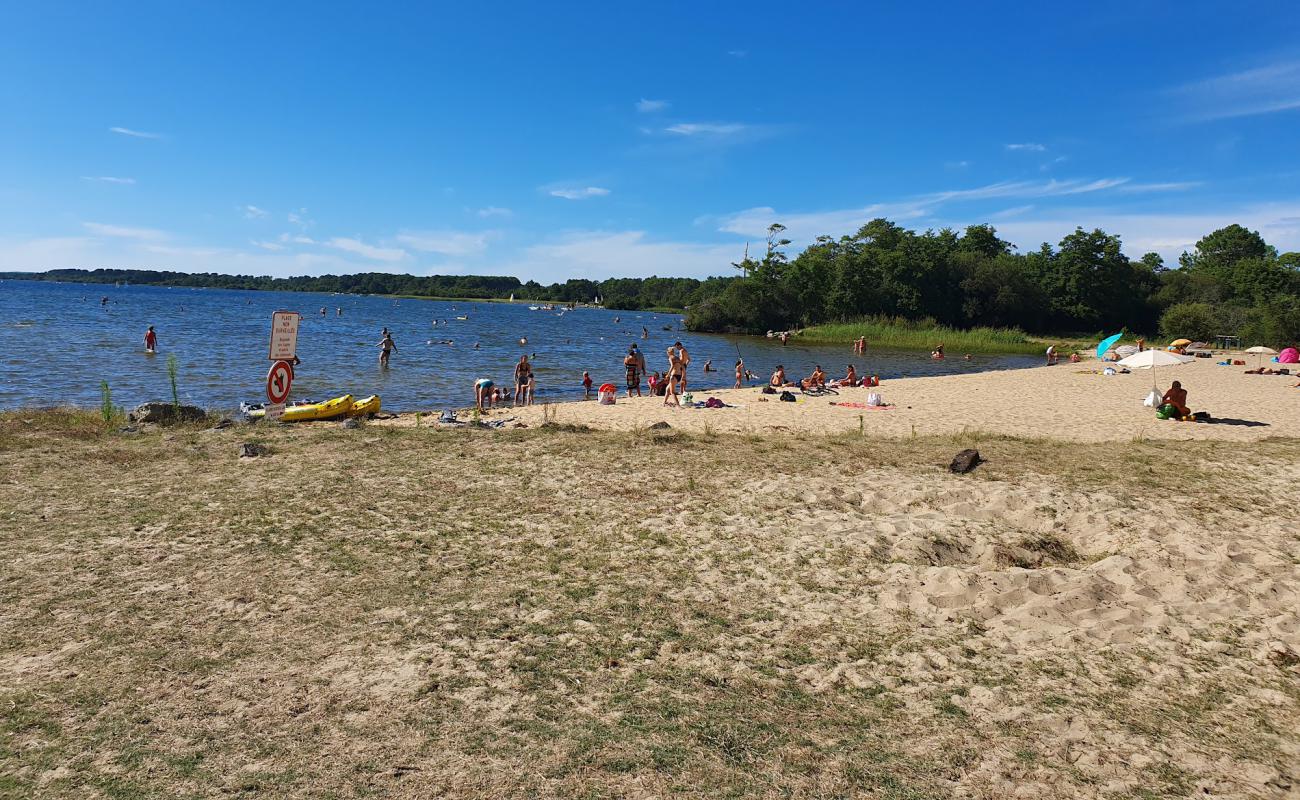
<point x="897" y="332"/>
<point x="556" y="613"/>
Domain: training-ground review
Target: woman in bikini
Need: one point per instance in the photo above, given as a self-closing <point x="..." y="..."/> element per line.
<point x="673" y="381"/>
<point x="523" y="371"/>
<point x="740" y="372"/>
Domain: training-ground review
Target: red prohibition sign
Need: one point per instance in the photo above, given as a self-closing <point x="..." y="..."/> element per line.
<point x="278" y="381"/>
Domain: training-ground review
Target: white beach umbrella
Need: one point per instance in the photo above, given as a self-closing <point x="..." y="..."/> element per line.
<point x="1150" y="359"/>
<point x="1260" y="351"/>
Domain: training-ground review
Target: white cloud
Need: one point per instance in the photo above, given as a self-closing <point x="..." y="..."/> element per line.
<point x="1168" y="234"/>
<point x="804" y="227"/>
<point x="448" y="243"/>
<point x="580" y="194"/>
<point x="606" y="254"/>
<point x="300" y="218"/>
<point x="118" y="231"/>
<point x="650" y="106"/>
<point x="1031" y="147"/>
<point x="274" y="247"/>
<point x="1052" y="188"/>
<point x="136" y="134"/>
<point x="1142" y="188"/>
<point x="1263" y="90"/>
<point x="706" y="128"/>
<point x="368" y="251"/>
<point x="495" y="211"/>
<point x="253" y="212"/>
<point x="109" y="179"/>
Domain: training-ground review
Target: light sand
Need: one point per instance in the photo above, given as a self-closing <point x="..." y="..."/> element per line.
<point x="1059" y="402"/>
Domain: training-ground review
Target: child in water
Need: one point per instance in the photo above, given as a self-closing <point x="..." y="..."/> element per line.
<point x="586" y="385"/>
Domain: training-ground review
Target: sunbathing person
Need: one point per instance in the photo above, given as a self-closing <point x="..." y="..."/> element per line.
<point x="816" y="380"/>
<point x="850" y="377"/>
<point x="1176" y="397"/>
<point x="778" y="377"/>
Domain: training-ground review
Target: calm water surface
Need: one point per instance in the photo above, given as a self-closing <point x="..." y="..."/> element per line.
<point x="58" y="342"/>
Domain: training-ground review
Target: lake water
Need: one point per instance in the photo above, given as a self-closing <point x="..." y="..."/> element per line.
<point x="59" y="342"/>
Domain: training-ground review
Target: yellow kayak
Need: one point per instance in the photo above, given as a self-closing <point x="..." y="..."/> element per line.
<point x="310" y="411"/>
<point x="365" y="406"/>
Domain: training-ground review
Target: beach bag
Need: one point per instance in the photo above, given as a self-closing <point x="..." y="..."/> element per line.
<point x="874" y="399"/>
<point x="713" y="402"/>
<point x="608" y="393"/>
<point x="787" y="397"/>
<point x="768" y="390"/>
<point x="1152" y="400"/>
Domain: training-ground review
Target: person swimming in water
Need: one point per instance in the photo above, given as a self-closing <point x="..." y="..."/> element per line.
<point x="150" y="341"/>
<point x="645" y="334"/>
<point x="708" y="365"/>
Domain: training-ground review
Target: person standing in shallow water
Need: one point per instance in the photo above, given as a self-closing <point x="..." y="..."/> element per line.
<point x="386" y="348"/>
<point x="150" y="341"/>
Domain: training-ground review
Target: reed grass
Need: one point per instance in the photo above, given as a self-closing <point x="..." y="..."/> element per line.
<point x="905" y="334"/>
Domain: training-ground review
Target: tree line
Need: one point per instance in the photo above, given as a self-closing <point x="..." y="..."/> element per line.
<point x="669" y="294"/>
<point x="1231" y="283"/>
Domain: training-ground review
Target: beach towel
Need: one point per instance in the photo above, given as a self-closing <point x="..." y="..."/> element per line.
<point x="861" y="406"/>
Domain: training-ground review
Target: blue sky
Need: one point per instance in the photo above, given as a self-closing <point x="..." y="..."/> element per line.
<point x="563" y="140"/>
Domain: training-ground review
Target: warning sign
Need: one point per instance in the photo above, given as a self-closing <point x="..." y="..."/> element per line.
<point x="274" y="411"/>
<point x="278" y="381"/>
<point x="284" y="335"/>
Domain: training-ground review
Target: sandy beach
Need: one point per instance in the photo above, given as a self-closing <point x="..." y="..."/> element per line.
<point x="1068" y="401"/>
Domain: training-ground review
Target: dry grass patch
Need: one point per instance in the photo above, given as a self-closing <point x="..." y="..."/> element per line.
<point x="555" y="613"/>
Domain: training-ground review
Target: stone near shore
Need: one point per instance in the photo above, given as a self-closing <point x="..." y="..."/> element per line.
<point x="160" y="413"/>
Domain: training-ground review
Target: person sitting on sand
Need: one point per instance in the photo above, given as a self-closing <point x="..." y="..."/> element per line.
<point x="817" y="380"/>
<point x="850" y="377"/>
<point x="656" y="382"/>
<point x="778" y="377"/>
<point x="483" y="394"/>
<point x="1176" y="397"/>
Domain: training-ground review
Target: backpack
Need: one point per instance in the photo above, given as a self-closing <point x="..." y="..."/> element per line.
<point x="768" y="390"/>
<point x="787" y="397"/>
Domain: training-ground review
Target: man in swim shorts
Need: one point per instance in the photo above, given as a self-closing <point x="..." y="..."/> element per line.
<point x="386" y="348"/>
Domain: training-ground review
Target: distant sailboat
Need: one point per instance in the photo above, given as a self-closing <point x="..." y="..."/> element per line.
<point x="512" y="298"/>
